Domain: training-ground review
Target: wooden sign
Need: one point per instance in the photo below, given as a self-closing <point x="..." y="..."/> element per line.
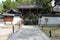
<point x="8" y="19"/>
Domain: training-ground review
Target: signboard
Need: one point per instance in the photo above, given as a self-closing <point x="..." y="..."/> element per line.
<point x="8" y="19"/>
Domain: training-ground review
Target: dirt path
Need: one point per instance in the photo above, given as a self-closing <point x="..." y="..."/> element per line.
<point x="29" y="33"/>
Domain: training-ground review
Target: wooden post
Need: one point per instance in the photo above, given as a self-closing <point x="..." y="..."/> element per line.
<point x="20" y="22"/>
<point x="42" y="27"/>
<point x="5" y="22"/>
<point x="13" y="28"/>
<point x="11" y="22"/>
<point x="50" y="33"/>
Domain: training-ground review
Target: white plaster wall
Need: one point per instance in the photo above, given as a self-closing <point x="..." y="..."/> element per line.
<point x="51" y="20"/>
<point x="16" y="20"/>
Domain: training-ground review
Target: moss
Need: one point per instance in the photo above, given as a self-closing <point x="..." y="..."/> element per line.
<point x="55" y="32"/>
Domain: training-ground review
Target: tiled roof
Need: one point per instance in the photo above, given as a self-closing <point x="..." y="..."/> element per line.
<point x="11" y="9"/>
<point x="29" y="6"/>
<point x="50" y="15"/>
<point x="8" y="14"/>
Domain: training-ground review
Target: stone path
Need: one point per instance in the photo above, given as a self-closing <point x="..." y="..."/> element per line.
<point x="29" y="33"/>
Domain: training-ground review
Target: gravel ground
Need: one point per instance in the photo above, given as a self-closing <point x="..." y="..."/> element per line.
<point x="5" y="32"/>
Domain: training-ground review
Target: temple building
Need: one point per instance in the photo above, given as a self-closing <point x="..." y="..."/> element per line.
<point x="11" y="16"/>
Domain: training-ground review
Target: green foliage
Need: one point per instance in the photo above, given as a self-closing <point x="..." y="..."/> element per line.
<point x="1" y="8"/>
<point x="6" y="5"/>
<point x="42" y="2"/>
<point x="19" y="1"/>
<point x="25" y="2"/>
<point x="39" y="2"/>
<point x="14" y="5"/>
<point x="47" y="6"/>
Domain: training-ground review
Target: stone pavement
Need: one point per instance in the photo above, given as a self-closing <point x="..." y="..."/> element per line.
<point x="29" y="33"/>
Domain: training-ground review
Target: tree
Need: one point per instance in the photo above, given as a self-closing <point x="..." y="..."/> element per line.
<point x="8" y="4"/>
<point x="19" y="1"/>
<point x="25" y="2"/>
<point x="1" y="8"/>
<point x="47" y="6"/>
<point x="14" y="5"/>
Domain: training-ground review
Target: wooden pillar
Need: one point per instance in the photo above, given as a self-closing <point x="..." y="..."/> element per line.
<point x="4" y="21"/>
